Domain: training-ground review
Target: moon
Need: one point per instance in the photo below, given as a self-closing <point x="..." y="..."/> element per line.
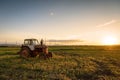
<point x="51" y="13"/>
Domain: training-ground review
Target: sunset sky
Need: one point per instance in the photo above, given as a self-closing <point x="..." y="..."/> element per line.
<point x="88" y="20"/>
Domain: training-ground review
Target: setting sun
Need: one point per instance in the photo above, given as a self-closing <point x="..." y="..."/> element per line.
<point x="109" y="40"/>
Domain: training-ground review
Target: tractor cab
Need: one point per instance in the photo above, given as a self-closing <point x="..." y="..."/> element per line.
<point x="31" y="43"/>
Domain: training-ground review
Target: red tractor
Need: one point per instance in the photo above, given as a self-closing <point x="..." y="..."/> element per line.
<point x="32" y="48"/>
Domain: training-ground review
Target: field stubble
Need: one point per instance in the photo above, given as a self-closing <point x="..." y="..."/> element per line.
<point x="68" y="63"/>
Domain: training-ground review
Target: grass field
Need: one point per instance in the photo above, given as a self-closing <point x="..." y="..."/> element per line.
<point x="68" y="63"/>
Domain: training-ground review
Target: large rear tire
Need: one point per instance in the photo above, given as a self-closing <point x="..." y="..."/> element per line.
<point x="25" y="52"/>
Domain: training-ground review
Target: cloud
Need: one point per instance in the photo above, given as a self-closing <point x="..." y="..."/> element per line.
<point x="107" y="23"/>
<point x="64" y="40"/>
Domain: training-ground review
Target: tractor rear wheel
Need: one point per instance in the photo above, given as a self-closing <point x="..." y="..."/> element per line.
<point x="25" y="52"/>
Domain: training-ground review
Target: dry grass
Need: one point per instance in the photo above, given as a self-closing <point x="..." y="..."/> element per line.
<point x="68" y="63"/>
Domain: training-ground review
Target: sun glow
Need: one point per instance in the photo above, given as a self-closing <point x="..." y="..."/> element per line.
<point x="109" y="40"/>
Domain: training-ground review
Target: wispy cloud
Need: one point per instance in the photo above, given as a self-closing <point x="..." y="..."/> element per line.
<point x="107" y="23"/>
<point x="53" y="40"/>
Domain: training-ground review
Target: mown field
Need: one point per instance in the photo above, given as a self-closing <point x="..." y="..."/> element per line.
<point x="68" y="63"/>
